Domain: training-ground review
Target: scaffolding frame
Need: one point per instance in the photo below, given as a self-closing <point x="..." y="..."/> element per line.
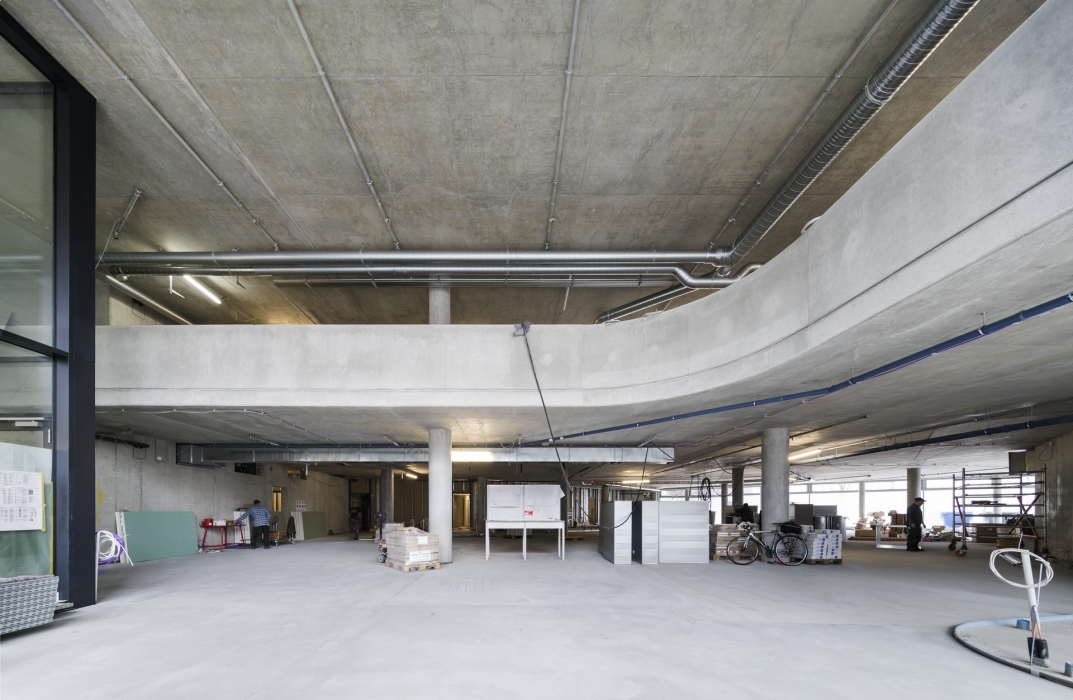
<point x="977" y="496"/>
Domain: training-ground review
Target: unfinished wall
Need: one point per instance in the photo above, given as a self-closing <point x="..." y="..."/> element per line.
<point x="114" y="308"/>
<point x="1057" y="456"/>
<point x="135" y="479"/>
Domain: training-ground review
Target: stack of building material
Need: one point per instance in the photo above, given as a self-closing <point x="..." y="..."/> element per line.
<point x="412" y="549"/>
<point x="719" y="536"/>
<point x="824" y="546"/>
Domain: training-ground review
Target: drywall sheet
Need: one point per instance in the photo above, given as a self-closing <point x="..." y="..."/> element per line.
<point x="316" y="524"/>
<point x="505" y="501"/>
<point x="23" y="458"/>
<point x="160" y="535"/>
<point x="29" y="552"/>
<point x="683" y="532"/>
<point x="542" y="502"/>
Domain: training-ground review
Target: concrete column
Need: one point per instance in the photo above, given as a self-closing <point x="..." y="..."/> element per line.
<point x="387" y="494"/>
<point x="912" y="478"/>
<point x="605" y="493"/>
<point x="439" y="306"/>
<point x="738" y="476"/>
<point x="860" y="499"/>
<point x="440" y="498"/>
<point x="775" y="476"/>
<point x="723" y="488"/>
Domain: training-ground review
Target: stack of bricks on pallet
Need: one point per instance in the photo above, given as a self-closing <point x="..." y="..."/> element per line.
<point x="824" y="544"/>
<point x="718" y="538"/>
<point x="411" y="547"/>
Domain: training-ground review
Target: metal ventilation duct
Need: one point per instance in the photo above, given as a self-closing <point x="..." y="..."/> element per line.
<point x="925" y="37"/>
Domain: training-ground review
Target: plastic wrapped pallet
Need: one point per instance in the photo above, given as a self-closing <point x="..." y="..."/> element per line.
<point x="410" y="549"/>
<point x="824" y="545"/>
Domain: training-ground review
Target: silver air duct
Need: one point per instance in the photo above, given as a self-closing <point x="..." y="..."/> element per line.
<point x="925" y="37"/>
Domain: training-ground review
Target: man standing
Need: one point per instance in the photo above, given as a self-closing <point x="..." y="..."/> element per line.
<point x="914" y="521"/>
<point x="259" y="517"/>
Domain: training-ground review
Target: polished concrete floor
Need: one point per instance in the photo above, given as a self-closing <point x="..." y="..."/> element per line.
<point x="322" y="619"/>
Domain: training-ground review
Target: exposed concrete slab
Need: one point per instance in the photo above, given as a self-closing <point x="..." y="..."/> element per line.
<point x="675" y="110"/>
<point x="333" y="620"/>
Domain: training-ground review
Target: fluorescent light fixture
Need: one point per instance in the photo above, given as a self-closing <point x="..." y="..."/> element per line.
<point x="636" y="482"/>
<point x="472" y="456"/>
<point x="202" y="288"/>
<point x="806" y="453"/>
<point x="410" y="476"/>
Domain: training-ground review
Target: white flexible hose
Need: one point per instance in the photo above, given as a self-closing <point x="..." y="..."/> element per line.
<point x="1046" y="566"/>
<point x="110" y="548"/>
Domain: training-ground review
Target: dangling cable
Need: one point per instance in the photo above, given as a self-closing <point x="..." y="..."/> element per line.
<point x="522" y="329"/>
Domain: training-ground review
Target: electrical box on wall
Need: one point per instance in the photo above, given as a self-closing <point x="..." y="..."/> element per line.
<point x="1020" y="462"/>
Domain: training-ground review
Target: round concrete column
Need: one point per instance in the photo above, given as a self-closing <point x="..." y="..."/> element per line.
<point x="775" y="476"/>
<point x="912" y="478"/>
<point x="439" y="306"/>
<point x="387" y="494"/>
<point x="860" y="498"/>
<point x="723" y="489"/>
<point x="440" y="497"/>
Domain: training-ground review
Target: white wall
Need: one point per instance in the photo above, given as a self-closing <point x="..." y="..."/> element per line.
<point x="127" y="482"/>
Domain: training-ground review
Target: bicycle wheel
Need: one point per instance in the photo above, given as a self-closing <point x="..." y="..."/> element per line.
<point x="742" y="550"/>
<point x="791" y="550"/>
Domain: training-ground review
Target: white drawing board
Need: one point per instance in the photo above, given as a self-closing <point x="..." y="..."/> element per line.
<point x="528" y="502"/>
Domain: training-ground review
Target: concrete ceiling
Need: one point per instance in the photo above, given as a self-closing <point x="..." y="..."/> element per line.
<point x="675" y="109"/>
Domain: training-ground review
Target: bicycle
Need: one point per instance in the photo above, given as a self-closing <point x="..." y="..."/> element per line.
<point x="787" y="549"/>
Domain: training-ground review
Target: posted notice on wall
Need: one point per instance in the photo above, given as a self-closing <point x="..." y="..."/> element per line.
<point x="300" y="506"/>
<point x="22" y="501"/>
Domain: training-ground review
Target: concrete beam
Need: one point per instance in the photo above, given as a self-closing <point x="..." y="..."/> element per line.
<point x="207" y="454"/>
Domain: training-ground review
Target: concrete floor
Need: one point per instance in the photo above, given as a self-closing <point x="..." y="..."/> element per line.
<point x="323" y="620"/>
<point x="1003" y="639"/>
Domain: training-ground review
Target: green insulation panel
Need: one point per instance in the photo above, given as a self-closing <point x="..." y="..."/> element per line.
<point x="28" y="552"/>
<point x="160" y="535"/>
<point x="315" y="524"/>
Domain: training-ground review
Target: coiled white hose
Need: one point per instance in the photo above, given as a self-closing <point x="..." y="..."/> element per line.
<point x="1007" y="554"/>
<point x="110" y="548"/>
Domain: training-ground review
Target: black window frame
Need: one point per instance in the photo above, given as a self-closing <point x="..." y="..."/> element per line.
<point x="72" y="349"/>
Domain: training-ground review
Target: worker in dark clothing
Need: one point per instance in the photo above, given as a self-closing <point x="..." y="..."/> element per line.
<point x="745" y="513"/>
<point x="260" y="517"/>
<point x="914" y="521"/>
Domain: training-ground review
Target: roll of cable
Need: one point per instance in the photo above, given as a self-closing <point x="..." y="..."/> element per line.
<point x="706" y="489"/>
<point x="110" y="549"/>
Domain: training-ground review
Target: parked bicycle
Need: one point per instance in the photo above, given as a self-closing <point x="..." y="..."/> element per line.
<point x="787" y="548"/>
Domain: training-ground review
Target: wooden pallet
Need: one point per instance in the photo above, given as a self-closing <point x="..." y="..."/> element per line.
<point x="823" y="561"/>
<point x="418" y="566"/>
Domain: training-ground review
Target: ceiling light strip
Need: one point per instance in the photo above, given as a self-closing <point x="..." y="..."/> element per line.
<point x="342" y="122"/>
<point x="163" y="120"/>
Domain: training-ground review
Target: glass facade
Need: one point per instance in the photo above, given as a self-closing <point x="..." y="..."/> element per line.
<point x="26" y="198"/>
<point x="27" y="304"/>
